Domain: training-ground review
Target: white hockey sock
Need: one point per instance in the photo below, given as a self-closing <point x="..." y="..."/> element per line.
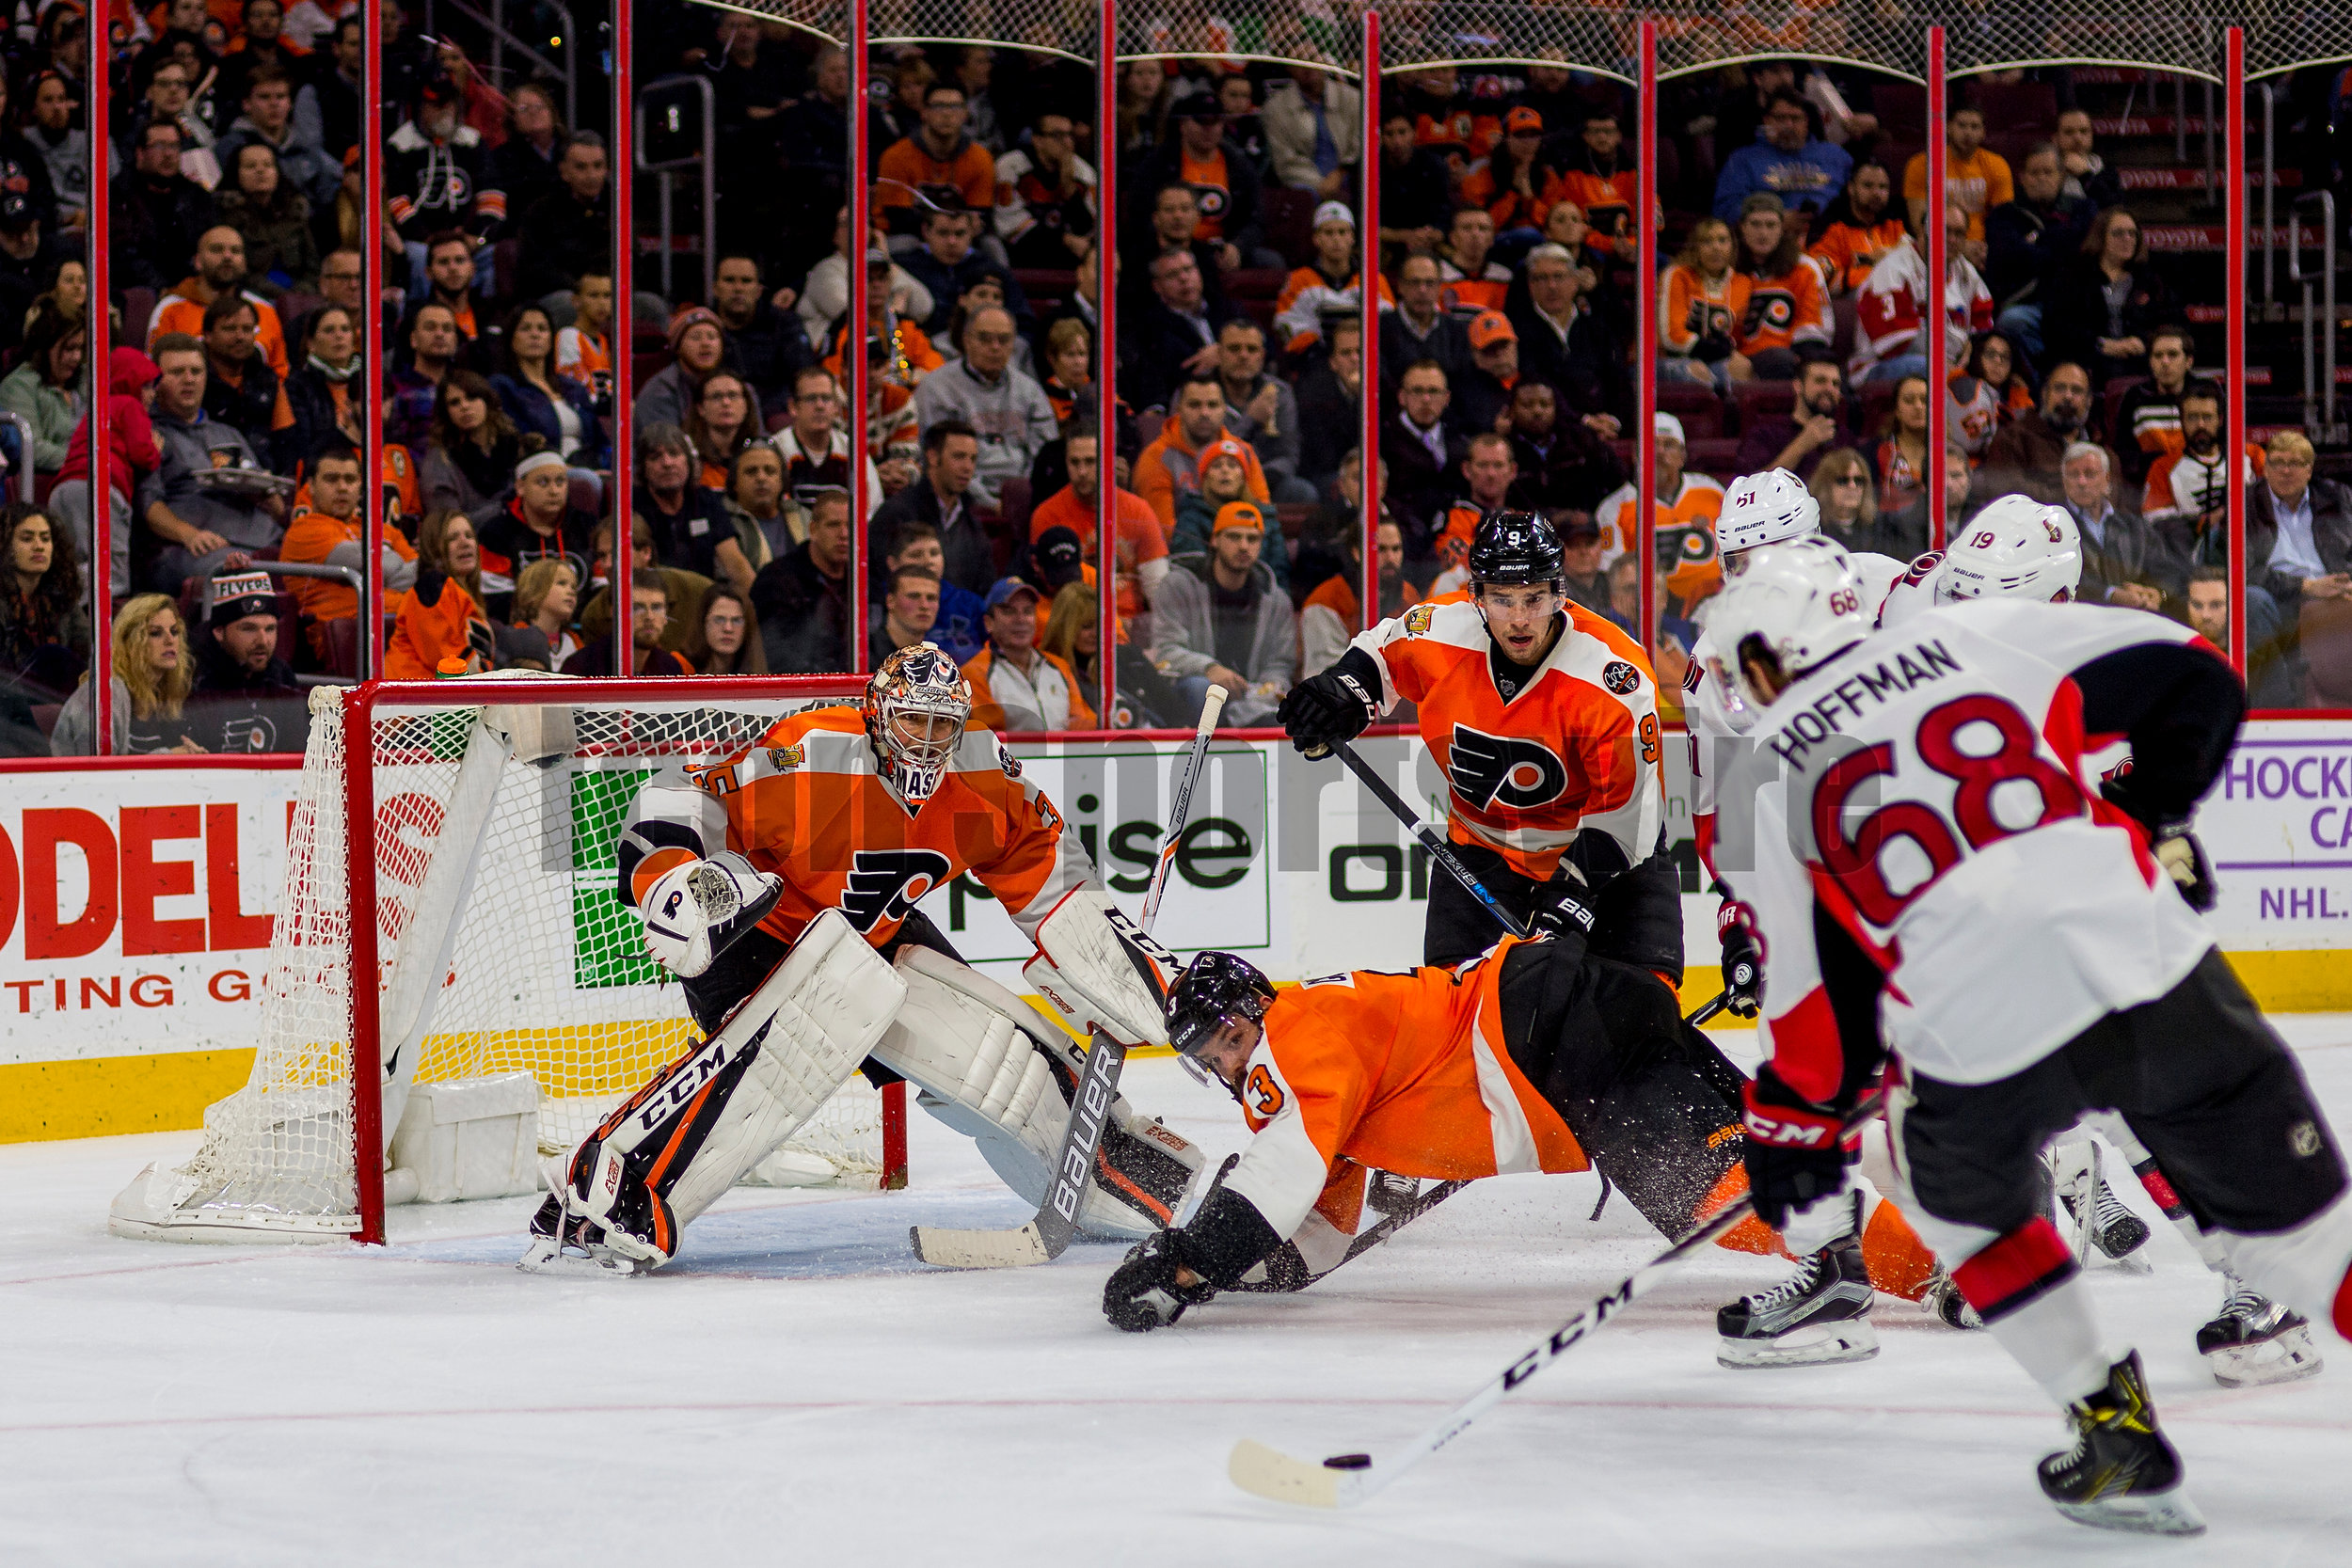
<point x="2055" y="1338"/>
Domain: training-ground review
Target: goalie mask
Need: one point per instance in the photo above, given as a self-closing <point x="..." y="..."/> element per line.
<point x="916" y="707"/>
<point x="1215" y="991"/>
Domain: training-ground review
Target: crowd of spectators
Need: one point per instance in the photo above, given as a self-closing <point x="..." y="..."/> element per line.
<point x="1794" y="331"/>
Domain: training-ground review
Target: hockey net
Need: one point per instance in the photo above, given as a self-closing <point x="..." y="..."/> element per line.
<point x="512" y="986"/>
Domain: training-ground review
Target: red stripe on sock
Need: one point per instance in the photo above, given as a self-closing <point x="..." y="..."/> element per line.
<point x="2344" y="1305"/>
<point x="2015" y="1268"/>
<point x="2161" y="1189"/>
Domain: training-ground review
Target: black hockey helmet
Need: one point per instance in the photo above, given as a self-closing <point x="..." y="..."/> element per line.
<point x="1215" y="989"/>
<point x="1515" y="547"/>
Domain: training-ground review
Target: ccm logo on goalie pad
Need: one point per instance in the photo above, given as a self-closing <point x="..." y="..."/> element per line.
<point x="688" y="1078"/>
<point x="886" y="884"/>
<point x="1488" y="769"/>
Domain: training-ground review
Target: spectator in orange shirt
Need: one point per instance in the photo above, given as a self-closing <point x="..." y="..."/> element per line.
<point x="1784" y="308"/>
<point x="1511" y="185"/>
<point x="328" y="533"/>
<point x="1701" y="297"/>
<point x="1173" y="463"/>
<point x="1857" y="230"/>
<point x="1598" y="176"/>
<point x="1468" y="281"/>
<point x="1975" y="179"/>
<point x="1017" y="685"/>
<point x="1142" y="546"/>
<point x="938" y="162"/>
<point x="219" y="268"/>
<point x="442" y="617"/>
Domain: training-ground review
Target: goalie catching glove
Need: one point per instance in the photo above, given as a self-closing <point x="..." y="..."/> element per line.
<point x="696" y="910"/>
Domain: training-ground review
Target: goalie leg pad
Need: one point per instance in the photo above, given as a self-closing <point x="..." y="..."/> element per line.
<point x="992" y="1067"/>
<point x="1101" y="969"/>
<point x="686" y="1137"/>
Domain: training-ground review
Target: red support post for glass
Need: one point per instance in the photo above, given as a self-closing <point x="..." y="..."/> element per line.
<point x="1368" y="302"/>
<point x="1934" y="337"/>
<point x="367" y="1044"/>
<point x="2234" y="394"/>
<point x="624" y="342"/>
<point x="373" y="382"/>
<point x="1105" y="360"/>
<point x="102" y="507"/>
<point x="1645" y="330"/>
<point x="859" y="233"/>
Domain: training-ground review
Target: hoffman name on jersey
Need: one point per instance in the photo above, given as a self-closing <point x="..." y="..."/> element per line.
<point x="1809" y="728"/>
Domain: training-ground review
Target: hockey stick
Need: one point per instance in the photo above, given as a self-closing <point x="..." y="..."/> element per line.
<point x="1347" y="1480"/>
<point x="1430" y="839"/>
<point x="1047" y="1235"/>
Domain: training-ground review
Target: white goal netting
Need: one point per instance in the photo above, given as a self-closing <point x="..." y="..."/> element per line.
<point x="516" y="1005"/>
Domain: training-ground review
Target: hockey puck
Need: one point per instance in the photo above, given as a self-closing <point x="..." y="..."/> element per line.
<point x="1348" y="1461"/>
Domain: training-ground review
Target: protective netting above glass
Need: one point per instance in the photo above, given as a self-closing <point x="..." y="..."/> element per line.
<point x="1890" y="36"/>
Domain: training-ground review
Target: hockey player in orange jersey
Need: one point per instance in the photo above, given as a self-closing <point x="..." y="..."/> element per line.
<point x="1534" y="1057"/>
<point x="1543" y="717"/>
<point x="781" y="885"/>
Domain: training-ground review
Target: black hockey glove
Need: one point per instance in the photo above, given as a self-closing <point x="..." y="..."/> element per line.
<point x="1564" y="916"/>
<point x="1743" y="961"/>
<point x="1142" y="1293"/>
<point x="1337" y="705"/>
<point x="1796" y="1152"/>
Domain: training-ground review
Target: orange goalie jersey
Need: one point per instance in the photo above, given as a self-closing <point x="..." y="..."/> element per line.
<point x="1575" y="748"/>
<point x="806" y="803"/>
<point x="1401" y="1072"/>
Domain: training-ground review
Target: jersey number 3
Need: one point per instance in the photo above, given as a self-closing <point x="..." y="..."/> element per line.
<point x="1854" y="861"/>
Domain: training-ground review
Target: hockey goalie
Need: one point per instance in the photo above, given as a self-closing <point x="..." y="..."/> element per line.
<point x="780" y="887"/>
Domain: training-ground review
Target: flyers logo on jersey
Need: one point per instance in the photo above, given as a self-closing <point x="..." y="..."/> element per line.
<point x="1486" y="769"/>
<point x="886" y="884"/>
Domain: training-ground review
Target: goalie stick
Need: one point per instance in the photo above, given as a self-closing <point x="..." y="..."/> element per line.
<point x="1346" y="1480"/>
<point x="1047" y="1235"/>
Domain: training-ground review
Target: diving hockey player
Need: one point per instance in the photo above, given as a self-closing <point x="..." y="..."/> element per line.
<point x="780" y="886"/>
<point x="2028" y="951"/>
<point x="1534" y="1057"/>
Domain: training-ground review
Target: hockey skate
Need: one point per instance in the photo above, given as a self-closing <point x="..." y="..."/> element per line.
<point x="2102" y="1229"/>
<point x="2255" y="1341"/>
<point x="1820" y="1314"/>
<point x="1944" y="1299"/>
<point x="2120" y="1474"/>
<point x="572" y="1244"/>
<point x="1390" y="1193"/>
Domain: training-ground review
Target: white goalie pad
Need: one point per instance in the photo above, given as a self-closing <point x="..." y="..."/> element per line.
<point x="1101" y="969"/>
<point x="977" y="1054"/>
<point x="814" y="1021"/>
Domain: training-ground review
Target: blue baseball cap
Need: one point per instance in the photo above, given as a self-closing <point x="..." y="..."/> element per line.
<point x="1005" y="589"/>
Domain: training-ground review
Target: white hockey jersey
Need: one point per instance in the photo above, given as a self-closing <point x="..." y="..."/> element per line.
<point x="1925" y="793"/>
<point x="1713" y="716"/>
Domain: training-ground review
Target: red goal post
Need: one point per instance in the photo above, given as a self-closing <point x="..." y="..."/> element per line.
<point x="513" y="1004"/>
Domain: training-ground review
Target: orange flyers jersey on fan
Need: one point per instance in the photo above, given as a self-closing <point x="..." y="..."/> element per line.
<point x="807" y="804"/>
<point x="1405" y="1072"/>
<point x="1576" y="748"/>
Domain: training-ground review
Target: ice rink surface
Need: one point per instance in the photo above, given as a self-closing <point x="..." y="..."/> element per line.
<point x="795" y="1389"/>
